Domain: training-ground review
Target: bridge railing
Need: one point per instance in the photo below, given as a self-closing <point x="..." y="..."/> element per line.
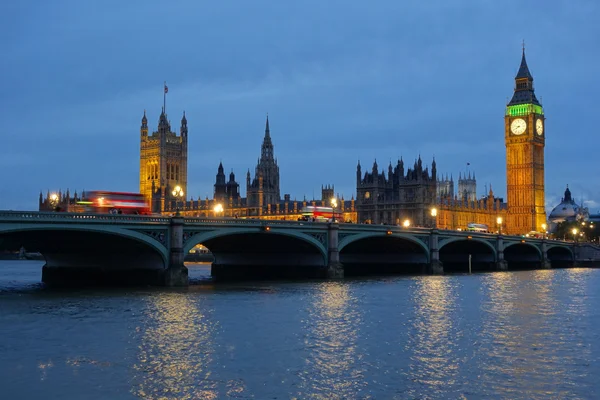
<point x="255" y="222"/>
<point x="34" y="216"/>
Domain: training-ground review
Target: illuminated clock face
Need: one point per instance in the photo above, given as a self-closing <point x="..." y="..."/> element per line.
<point x="539" y="127"/>
<point x="367" y="195"/>
<point x="518" y="126"/>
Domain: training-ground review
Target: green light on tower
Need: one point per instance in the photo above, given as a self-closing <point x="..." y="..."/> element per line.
<point x="524" y="109"/>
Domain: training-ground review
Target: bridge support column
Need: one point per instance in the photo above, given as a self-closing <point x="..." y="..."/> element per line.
<point x="501" y="264"/>
<point x="176" y="273"/>
<point x="435" y="265"/>
<point x="335" y="269"/>
<point x="546" y="264"/>
<point x="576" y="255"/>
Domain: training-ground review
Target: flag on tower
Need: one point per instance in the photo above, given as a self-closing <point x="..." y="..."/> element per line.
<point x="166" y="88"/>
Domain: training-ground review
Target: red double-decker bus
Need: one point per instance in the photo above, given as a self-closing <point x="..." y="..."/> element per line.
<point x="319" y="214"/>
<point x="115" y="203"/>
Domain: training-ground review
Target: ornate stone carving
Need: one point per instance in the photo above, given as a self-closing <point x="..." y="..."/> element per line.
<point x="319" y="236"/>
<point x="160" y="236"/>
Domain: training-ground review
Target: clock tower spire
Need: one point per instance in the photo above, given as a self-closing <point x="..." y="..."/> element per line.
<point x="524" y="136"/>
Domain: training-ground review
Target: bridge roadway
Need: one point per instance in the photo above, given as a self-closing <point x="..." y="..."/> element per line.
<point x="122" y="249"/>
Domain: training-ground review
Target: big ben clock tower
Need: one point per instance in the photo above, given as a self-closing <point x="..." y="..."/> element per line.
<point x="525" y="137"/>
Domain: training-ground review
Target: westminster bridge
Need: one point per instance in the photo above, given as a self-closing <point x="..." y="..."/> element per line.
<point x="102" y="248"/>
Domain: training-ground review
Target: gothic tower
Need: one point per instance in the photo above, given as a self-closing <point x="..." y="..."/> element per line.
<point x="264" y="188"/>
<point x="524" y="136"/>
<point x="220" y="195"/>
<point x="467" y="187"/>
<point x="163" y="161"/>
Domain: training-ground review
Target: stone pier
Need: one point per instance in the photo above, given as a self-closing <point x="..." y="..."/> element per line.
<point x="335" y="269"/>
<point x="435" y="265"/>
<point x="176" y="273"/>
<point x="546" y="264"/>
<point x="501" y="264"/>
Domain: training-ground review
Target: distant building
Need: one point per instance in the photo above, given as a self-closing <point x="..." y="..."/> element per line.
<point x="445" y="188"/>
<point x="264" y="188"/>
<point x="227" y="193"/>
<point x="567" y="211"/>
<point x="60" y="201"/>
<point x="402" y="195"/>
<point x="467" y="187"/>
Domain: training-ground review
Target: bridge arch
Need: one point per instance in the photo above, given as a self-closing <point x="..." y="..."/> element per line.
<point x="522" y="255"/>
<point x="242" y="253"/>
<point x="361" y="236"/>
<point x="91" y="254"/>
<point x="208" y="236"/>
<point x="455" y="251"/>
<point x="560" y="256"/>
<point x="370" y="253"/>
<point x="13" y="234"/>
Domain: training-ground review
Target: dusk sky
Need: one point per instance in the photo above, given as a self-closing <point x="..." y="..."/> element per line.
<point x="341" y="81"/>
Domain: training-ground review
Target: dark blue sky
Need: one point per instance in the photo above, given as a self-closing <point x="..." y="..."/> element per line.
<point x="341" y="81"/>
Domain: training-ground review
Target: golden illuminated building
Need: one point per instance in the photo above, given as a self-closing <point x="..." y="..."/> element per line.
<point x="524" y="137"/>
<point x="163" y="161"/>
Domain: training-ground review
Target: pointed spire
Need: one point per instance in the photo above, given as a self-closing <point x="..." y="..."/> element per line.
<point x="524" y="93"/>
<point x="267" y="130"/>
<point x="523" y="68"/>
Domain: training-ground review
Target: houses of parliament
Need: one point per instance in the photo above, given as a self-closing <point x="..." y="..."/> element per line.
<point x="416" y="193"/>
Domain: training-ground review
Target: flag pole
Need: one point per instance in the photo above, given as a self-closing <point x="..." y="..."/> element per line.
<point x="165" y="98"/>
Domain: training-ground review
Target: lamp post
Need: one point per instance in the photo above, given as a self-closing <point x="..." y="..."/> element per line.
<point x="544" y="232"/>
<point x="334" y="204"/>
<point x="53" y="201"/>
<point x="406" y="223"/>
<point x="178" y="194"/>
<point x="433" y="216"/>
<point x="218" y="209"/>
<point x="499" y="223"/>
<point x="574" y="232"/>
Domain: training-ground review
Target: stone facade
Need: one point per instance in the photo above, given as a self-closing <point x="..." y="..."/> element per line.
<point x="525" y="138"/>
<point x="399" y="196"/>
<point x="163" y="161"/>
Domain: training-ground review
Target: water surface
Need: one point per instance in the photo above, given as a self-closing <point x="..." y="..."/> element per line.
<point x="513" y="335"/>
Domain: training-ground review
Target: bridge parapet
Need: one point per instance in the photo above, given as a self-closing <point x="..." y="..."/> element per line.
<point x="23" y="216"/>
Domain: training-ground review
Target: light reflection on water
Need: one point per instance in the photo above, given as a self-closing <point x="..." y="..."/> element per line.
<point x="333" y="366"/>
<point x="521" y="335"/>
<point x="525" y="348"/>
<point x="432" y="342"/>
<point x="175" y="350"/>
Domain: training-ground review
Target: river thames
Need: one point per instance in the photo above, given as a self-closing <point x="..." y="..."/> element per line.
<point x="505" y="335"/>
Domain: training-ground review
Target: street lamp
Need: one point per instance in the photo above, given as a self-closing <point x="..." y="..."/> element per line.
<point x="334" y="205"/>
<point x="53" y="201"/>
<point x="574" y="231"/>
<point x="406" y="223"/>
<point x="499" y="223"/>
<point x="218" y="209"/>
<point x="178" y="194"/>
<point x="544" y="226"/>
<point x="433" y="216"/>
